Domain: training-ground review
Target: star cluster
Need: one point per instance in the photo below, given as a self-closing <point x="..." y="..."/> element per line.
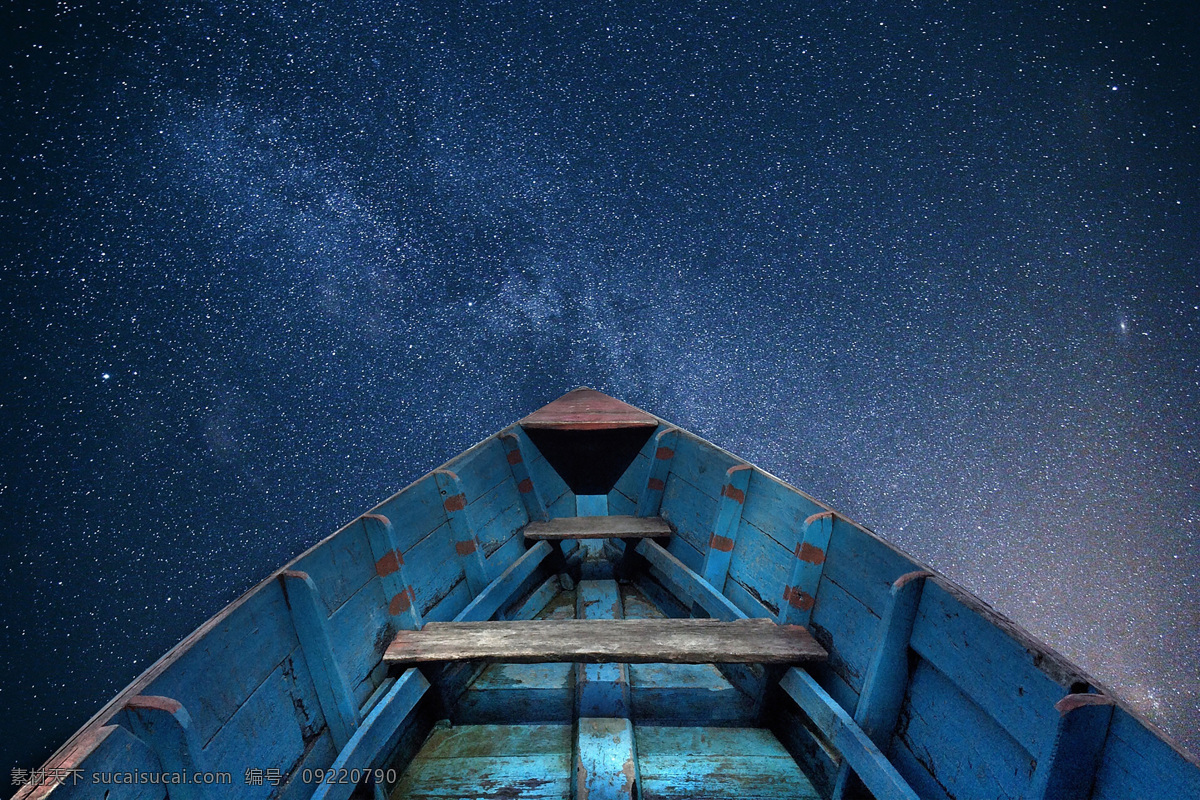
<point x="265" y="263"/>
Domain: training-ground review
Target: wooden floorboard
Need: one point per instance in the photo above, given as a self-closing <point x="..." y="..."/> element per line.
<point x="634" y="641"/>
<point x="491" y="761"/>
<point x="614" y="527"/>
<point x="734" y="763"/>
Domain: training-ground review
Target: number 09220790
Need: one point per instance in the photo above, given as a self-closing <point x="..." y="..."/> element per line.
<point x="348" y="775"/>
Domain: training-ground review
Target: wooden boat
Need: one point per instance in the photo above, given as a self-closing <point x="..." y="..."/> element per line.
<point x="593" y="603"/>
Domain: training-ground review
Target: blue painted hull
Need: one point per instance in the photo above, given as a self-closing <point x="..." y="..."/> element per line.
<point x="926" y="693"/>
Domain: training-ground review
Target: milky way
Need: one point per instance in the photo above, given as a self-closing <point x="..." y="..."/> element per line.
<point x="263" y="264"/>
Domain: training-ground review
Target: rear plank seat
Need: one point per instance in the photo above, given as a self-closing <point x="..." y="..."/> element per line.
<point x="604" y="527"/>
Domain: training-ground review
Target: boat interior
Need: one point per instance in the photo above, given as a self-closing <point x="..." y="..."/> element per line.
<point x="595" y="604"/>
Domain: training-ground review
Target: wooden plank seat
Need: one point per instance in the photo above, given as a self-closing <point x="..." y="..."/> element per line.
<point x="608" y="527"/>
<point x="601" y="641"/>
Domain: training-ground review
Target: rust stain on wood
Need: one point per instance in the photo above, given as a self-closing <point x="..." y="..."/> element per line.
<point x="525" y="486"/>
<point x="390" y="562"/>
<point x="722" y="543"/>
<point x="664" y="454"/>
<point x="514" y="456"/>
<point x="401" y="602"/>
<point x="465" y="548"/>
<point x="798" y="598"/>
<point x="733" y="493"/>
<point x="810" y="554"/>
<point x="456" y="502"/>
<point x="655" y="485"/>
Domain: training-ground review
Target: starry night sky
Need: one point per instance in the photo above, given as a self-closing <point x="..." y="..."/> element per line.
<point x="262" y="264"/>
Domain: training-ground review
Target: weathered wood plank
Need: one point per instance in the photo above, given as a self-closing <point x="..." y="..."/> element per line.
<point x="454" y="600"/>
<point x="498" y="762"/>
<point x="761" y="565"/>
<point x="537" y="600"/>
<point x="700" y="464"/>
<point x="414" y="511"/>
<point x="496" y="516"/>
<point x="650" y="493"/>
<point x="340" y="565"/>
<point x="500" y="591"/>
<point x="680" y="763"/>
<point x="359" y="632"/>
<point x="871" y="765"/>
<point x="864" y="565"/>
<point x="106" y="750"/>
<point x="381" y="725"/>
<point x="519" y="694"/>
<point x="272" y="728"/>
<point x="437" y="569"/>
<point x="535" y="505"/>
<point x="777" y="509"/>
<point x="480" y="468"/>
<point x="725" y="527"/>
<point x="562" y="506"/>
<point x="678" y="641"/>
<point x="598" y="527"/>
<point x="454" y="502"/>
<point x="586" y="409"/>
<point x="238" y="653"/>
<point x="312" y="629"/>
<point x="605" y="765"/>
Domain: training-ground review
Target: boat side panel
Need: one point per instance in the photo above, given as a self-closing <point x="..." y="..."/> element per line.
<point x="700" y="464"/>
<point x="750" y="604"/>
<point x="358" y="633"/>
<point x="497" y="516"/>
<point x="435" y="568"/>
<point x="341" y="566"/>
<point x="847" y="629"/>
<point x="319" y="753"/>
<point x="864" y="565"/>
<point x="689" y="509"/>
<point x="415" y="511"/>
<point x="481" y="468"/>
<point x="777" y="510"/>
<point x="220" y="671"/>
<point x="1138" y="764"/>
<point x="956" y="743"/>
<point x="760" y="564"/>
<point x="269" y="731"/>
<point x="990" y="667"/>
<point x="550" y="484"/>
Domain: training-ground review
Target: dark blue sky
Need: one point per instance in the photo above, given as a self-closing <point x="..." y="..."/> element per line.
<point x="263" y="264"/>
